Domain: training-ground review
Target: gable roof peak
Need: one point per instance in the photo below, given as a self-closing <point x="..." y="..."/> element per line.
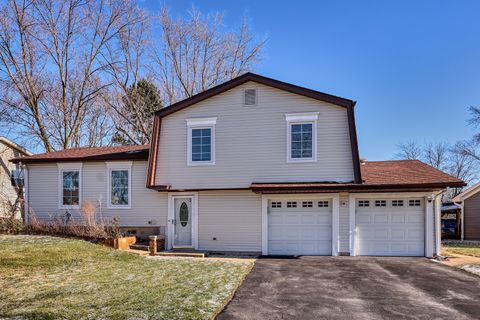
<point x="249" y="76"/>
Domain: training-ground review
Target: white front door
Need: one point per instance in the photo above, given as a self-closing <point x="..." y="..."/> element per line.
<point x="182" y="223"/>
<point x="300" y="227"/>
<point x="390" y="227"/>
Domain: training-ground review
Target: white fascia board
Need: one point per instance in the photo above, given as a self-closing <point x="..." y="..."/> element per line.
<point x="304" y="116"/>
<point x="195" y="122"/>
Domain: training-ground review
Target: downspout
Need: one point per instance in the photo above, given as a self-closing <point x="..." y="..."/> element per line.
<point x="462" y="216"/>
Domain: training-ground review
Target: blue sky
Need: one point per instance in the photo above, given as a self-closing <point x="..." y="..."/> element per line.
<point x="412" y="66"/>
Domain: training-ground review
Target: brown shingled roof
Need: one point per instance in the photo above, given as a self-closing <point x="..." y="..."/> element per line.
<point x="407" y="175"/>
<point x="90" y="154"/>
<point x="405" y="172"/>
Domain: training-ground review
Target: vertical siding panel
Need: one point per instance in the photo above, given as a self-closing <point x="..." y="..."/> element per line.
<point x="344" y="223"/>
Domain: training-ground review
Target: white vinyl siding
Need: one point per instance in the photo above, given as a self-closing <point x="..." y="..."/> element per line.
<point x="146" y="205"/>
<point x="250" y="143"/>
<point x="232" y="217"/>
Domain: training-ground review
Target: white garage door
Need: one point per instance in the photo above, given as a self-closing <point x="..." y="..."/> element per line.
<point x="390" y="227"/>
<point x="300" y="227"/>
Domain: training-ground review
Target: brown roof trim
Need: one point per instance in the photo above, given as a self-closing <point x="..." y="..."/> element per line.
<point x="351" y="187"/>
<point x="152" y="160"/>
<point x="259" y="79"/>
<point x="128" y="155"/>
<point x="169" y="189"/>
<point x="346" y="103"/>
<point x="346" y="190"/>
<point x="352" y="128"/>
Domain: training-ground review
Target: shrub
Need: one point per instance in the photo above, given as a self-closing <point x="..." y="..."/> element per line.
<point x="11" y="225"/>
<point x="88" y="226"/>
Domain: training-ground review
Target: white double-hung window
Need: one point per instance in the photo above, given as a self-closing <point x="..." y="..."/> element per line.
<point x="69" y="185"/>
<point x="119" y="185"/>
<point x="201" y="141"/>
<point x="302" y="137"/>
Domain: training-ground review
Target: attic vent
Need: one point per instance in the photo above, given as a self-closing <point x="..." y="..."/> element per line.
<point x="250" y="97"/>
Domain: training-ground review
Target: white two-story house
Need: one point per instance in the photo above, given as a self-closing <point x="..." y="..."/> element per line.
<point x="252" y="165"/>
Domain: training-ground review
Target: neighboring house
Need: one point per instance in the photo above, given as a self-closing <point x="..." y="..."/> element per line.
<point x="451" y="214"/>
<point x="11" y="178"/>
<point x="469" y="201"/>
<point x="252" y="165"/>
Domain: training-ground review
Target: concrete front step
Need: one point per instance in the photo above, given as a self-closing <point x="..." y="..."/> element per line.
<point x="143" y="247"/>
<point x="182" y="254"/>
<point x="176" y="253"/>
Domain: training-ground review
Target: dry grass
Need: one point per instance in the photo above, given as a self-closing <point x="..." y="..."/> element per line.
<point x="88" y="225"/>
<point x="49" y="278"/>
<point x="467" y="249"/>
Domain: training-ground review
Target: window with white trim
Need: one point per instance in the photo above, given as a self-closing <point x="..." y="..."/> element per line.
<point x="363" y="203"/>
<point x="70" y="183"/>
<point x="323" y="204"/>
<point x="119" y="185"/>
<point x="380" y="203"/>
<point x="397" y="203"/>
<point x="201" y="141"/>
<point x="291" y="204"/>
<point x="414" y="203"/>
<point x="302" y="137"/>
<point x="276" y="204"/>
<point x="307" y="204"/>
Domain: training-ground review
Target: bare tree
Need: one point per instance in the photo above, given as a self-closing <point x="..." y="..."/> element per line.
<point x="195" y="54"/>
<point x="410" y="150"/>
<point x="474" y="121"/>
<point x="459" y="160"/>
<point x="52" y="66"/>
<point x="128" y="100"/>
<point x="461" y="164"/>
<point x="436" y="154"/>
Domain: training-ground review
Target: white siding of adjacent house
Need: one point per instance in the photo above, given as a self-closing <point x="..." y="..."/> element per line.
<point x="147" y="205"/>
<point x="234" y="218"/>
<point x="251" y="142"/>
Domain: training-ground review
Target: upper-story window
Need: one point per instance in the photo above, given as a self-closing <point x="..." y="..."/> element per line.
<point x="302" y="137"/>
<point x="70" y="183"/>
<point x="201" y="141"/>
<point x="119" y="185"/>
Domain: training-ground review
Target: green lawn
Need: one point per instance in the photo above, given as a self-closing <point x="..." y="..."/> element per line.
<point x="51" y="278"/>
<point x="461" y="248"/>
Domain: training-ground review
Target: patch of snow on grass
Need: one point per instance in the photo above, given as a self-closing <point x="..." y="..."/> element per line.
<point x="472" y="268"/>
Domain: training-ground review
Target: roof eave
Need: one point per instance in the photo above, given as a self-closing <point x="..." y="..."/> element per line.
<point x="141" y="155"/>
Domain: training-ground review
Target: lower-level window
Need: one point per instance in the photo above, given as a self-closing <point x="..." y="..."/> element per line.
<point x="119" y="195"/>
<point x="71" y="188"/>
<point x="119" y="187"/>
<point x="69" y="185"/>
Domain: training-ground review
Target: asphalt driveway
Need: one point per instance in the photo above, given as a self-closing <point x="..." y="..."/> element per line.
<point x="355" y="288"/>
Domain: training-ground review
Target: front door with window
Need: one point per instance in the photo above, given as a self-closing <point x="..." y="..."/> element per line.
<point x="182" y="222"/>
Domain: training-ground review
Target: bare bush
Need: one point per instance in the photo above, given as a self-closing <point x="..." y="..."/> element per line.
<point x="87" y="226"/>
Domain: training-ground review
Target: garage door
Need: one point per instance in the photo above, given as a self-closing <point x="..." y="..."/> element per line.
<point x="300" y="227"/>
<point x="390" y="227"/>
